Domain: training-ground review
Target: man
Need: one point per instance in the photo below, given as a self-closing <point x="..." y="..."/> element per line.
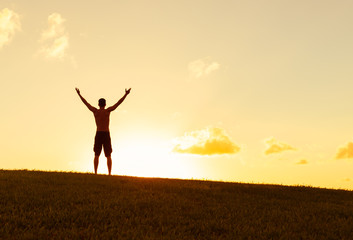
<point x="102" y="138"/>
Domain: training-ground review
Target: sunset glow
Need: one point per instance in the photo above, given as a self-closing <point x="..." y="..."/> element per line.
<point x="249" y="91"/>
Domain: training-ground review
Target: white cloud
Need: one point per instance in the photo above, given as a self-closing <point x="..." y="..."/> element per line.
<point x="209" y="141"/>
<point x="202" y="67"/>
<point x="274" y="146"/>
<point x="9" y="25"/>
<point x="54" y="39"/>
<point x="55" y="27"/>
<point x="57" y="48"/>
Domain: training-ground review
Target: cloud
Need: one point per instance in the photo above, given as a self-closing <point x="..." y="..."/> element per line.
<point x="209" y="141"/>
<point x="54" y="39"/>
<point x="345" y="151"/>
<point x="274" y="146"/>
<point x="55" y="27"/>
<point x="9" y="25"/>
<point x="202" y="67"/>
<point x="302" y="162"/>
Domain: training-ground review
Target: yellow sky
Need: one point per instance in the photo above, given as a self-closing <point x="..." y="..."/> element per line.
<point x="250" y="91"/>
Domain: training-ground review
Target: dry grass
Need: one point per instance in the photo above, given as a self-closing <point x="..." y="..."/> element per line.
<point x="56" y="205"/>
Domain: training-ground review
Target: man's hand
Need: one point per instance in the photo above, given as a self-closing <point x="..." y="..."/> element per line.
<point x="78" y="91"/>
<point x="127" y="91"/>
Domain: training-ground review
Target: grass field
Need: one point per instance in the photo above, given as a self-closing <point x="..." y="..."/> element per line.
<point x="57" y="205"/>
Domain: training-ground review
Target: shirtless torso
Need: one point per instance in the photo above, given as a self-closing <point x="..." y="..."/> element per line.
<point x="102" y="119"/>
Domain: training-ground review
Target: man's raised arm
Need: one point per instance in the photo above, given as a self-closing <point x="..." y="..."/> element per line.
<point x="91" y="108"/>
<point x="112" y="108"/>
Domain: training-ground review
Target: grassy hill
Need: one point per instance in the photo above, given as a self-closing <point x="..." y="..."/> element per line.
<point x="58" y="205"/>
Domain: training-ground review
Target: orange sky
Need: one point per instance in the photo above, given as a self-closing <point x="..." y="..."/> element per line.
<point x="248" y="91"/>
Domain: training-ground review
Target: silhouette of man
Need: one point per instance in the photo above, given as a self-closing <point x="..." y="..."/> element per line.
<point x="102" y="138"/>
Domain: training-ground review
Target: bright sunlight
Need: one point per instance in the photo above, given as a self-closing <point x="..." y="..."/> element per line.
<point x="147" y="156"/>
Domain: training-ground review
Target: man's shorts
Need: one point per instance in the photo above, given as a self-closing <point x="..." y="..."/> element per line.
<point x="102" y="139"/>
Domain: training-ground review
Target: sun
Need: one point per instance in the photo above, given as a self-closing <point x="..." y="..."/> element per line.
<point x="149" y="157"/>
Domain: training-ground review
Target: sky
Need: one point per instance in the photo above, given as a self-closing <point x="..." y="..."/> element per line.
<point x="242" y="91"/>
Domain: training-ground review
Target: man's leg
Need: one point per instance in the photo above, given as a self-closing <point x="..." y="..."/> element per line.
<point x="96" y="161"/>
<point x="107" y="146"/>
<point x="109" y="163"/>
<point x="97" y="148"/>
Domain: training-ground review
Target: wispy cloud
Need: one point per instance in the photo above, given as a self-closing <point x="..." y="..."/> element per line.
<point x="345" y="151"/>
<point x="209" y="141"/>
<point x="54" y="39"/>
<point x="202" y="67"/>
<point x="9" y="24"/>
<point x="274" y="146"/>
<point x="302" y="162"/>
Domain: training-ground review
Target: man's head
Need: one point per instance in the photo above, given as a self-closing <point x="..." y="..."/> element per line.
<point x="101" y="102"/>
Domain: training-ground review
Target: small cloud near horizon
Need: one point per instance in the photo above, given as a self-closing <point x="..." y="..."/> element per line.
<point x="274" y="146"/>
<point x="9" y="25"/>
<point x="209" y="141"/>
<point x="202" y="67"/>
<point x="54" y="39"/>
<point x="302" y="162"/>
<point x="345" y="152"/>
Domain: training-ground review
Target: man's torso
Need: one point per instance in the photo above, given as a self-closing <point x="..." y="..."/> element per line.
<point x="102" y="120"/>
